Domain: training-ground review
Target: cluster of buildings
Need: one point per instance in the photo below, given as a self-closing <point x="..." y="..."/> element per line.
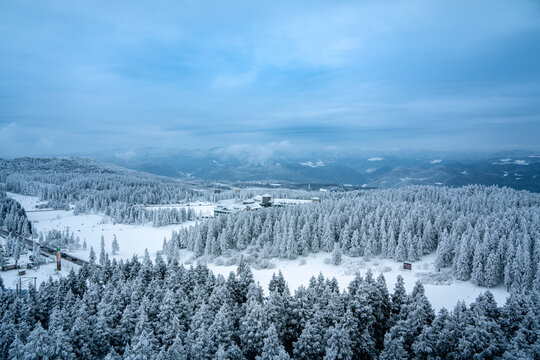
<point x="259" y="202"/>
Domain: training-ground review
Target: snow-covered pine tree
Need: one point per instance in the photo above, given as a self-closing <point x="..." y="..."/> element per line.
<point x="114" y="246"/>
<point x="336" y="254"/>
<point x="92" y="257"/>
<point x="102" y="252"/>
<point x="272" y="348"/>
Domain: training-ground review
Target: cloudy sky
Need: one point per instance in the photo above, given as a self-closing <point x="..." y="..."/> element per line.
<point x="81" y="76"/>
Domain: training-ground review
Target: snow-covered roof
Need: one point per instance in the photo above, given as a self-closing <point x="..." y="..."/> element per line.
<point x="290" y="201"/>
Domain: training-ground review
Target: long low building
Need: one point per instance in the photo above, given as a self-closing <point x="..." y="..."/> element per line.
<point x="259" y="202"/>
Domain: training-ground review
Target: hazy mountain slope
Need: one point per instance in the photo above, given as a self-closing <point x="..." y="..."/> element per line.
<point x="516" y="169"/>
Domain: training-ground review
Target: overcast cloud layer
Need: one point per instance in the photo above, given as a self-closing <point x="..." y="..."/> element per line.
<point x="80" y="76"/>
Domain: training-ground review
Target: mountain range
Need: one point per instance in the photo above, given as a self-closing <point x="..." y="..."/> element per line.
<point x="518" y="169"/>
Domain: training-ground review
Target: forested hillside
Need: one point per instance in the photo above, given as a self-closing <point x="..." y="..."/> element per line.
<point x="381" y="169"/>
<point x="12" y="216"/>
<point x="95" y="187"/>
<point x="161" y="310"/>
<point x="134" y="310"/>
<point x="489" y="235"/>
<point x="123" y="194"/>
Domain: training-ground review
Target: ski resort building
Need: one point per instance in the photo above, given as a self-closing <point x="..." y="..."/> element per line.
<point x="256" y="203"/>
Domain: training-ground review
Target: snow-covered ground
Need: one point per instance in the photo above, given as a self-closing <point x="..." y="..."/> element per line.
<point x="298" y="272"/>
<point x="11" y="278"/>
<point x="133" y="239"/>
<point x="291" y="202"/>
<point x="441" y="289"/>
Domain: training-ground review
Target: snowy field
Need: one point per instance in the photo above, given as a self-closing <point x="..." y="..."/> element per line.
<point x="441" y="288"/>
<point x="42" y="274"/>
<point x="298" y="272"/>
<point x="133" y="239"/>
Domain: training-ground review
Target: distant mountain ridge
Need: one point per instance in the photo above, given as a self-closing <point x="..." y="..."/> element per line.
<point x="516" y="169"/>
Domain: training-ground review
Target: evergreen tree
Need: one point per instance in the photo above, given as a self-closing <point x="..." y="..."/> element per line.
<point x="492" y="269"/>
<point x="482" y="339"/>
<point x="336" y="255"/>
<point x="17" y="349"/>
<point x="278" y="284"/>
<point x="81" y="332"/>
<point x="478" y="274"/>
<point x="393" y="349"/>
<point x="102" y="253"/>
<point x="17" y="251"/>
<point x="526" y="342"/>
<point x="272" y="348"/>
<point x="339" y="344"/>
<point x="355" y="244"/>
<point x="463" y="260"/>
<point x="36" y="254"/>
<point x="253" y="329"/>
<point x="522" y="272"/>
<point x="198" y="338"/>
<point x="222" y="331"/>
<point x="113" y="355"/>
<point x="60" y="347"/>
<point x="38" y="344"/>
<point x="304" y="242"/>
<point x="328" y="238"/>
<point x="311" y="343"/>
<point x="92" y="257"/>
<point x="115" y="246"/>
<point x="399" y="300"/>
<point x="401" y="250"/>
<point x="144" y="344"/>
<point x="176" y="351"/>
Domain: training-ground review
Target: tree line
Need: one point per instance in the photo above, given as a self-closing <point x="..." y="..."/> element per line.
<point x="144" y="310"/>
<point x="12" y="216"/>
<point x="122" y="194"/>
<point x="488" y="235"/>
<point x="93" y="187"/>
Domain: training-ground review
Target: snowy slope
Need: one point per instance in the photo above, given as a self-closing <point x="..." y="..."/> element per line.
<point x="298" y="272"/>
<point x="134" y="239"/>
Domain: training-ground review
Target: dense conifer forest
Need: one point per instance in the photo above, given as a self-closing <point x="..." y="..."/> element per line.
<point x="146" y="310"/>
<point x="488" y="235"/>
<point x="252" y="180"/>
<point x="162" y="310"/>
<point x="12" y="215"/>
<point x="93" y="187"/>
